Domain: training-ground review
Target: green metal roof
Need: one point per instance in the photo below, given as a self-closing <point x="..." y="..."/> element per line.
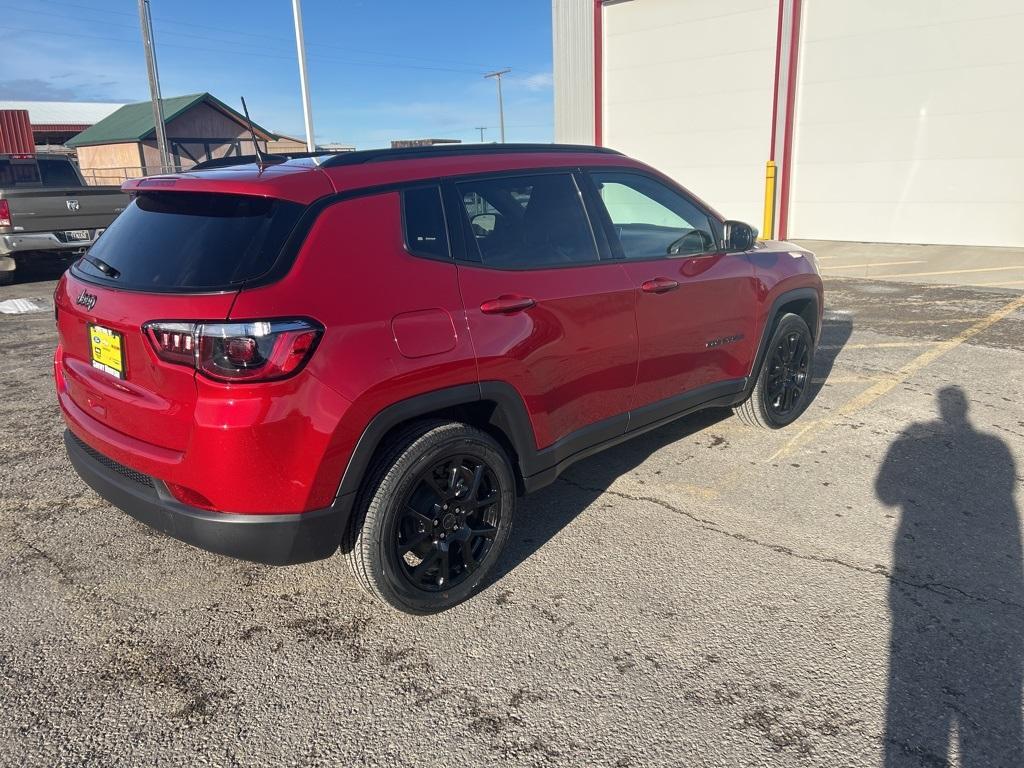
<point x="134" y="122"/>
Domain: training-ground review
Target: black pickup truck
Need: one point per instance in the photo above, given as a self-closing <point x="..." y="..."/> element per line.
<point x="46" y="206"/>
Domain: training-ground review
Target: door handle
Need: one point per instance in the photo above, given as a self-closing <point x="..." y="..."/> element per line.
<point x="659" y="285"/>
<point x="506" y="305"/>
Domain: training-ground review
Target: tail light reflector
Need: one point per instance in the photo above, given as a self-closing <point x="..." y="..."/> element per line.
<point x="260" y="350"/>
<point x="5" y="213"/>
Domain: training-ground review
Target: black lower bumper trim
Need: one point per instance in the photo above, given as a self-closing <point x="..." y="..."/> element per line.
<point x="270" y="539"/>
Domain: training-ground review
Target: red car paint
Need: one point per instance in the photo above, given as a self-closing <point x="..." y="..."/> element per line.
<point x="578" y="345"/>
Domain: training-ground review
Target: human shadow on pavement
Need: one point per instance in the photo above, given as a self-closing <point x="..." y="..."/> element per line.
<point x="956" y="595"/>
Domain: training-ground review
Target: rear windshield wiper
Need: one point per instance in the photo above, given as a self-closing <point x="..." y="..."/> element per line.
<point x="103" y="267"/>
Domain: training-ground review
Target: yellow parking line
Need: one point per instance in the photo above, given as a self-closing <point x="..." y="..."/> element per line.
<point x="888" y="382"/>
<point x="878" y="264"/>
<point x="850" y="379"/>
<point x="1005" y="282"/>
<point x="879" y="345"/>
<point x="956" y="271"/>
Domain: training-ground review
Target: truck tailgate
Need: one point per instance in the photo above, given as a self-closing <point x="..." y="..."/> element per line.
<point x="56" y="210"/>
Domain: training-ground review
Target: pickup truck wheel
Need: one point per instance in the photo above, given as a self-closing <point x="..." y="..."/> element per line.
<point x="433" y="518"/>
<point x="6" y="278"/>
<point x="781" y="392"/>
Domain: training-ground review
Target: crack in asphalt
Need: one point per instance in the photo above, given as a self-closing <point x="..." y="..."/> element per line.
<point x="938" y="588"/>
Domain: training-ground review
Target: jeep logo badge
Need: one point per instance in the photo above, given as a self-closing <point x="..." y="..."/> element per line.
<point x="73" y="205"/>
<point x="86" y="300"/>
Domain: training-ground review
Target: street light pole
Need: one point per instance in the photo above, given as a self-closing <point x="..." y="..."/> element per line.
<point x="146" y="22"/>
<point x="307" y="109"/>
<point x="501" y="106"/>
<point x="481" y="128"/>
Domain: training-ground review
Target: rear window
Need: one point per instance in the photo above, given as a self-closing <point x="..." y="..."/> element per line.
<point x="16" y="172"/>
<point x="58" y="172"/>
<point x="187" y="241"/>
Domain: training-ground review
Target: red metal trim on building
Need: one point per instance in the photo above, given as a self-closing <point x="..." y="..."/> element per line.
<point x="787" y="139"/>
<point x="60" y="127"/>
<point x="775" y="91"/>
<point x="16" y="132"/>
<point x="598" y="72"/>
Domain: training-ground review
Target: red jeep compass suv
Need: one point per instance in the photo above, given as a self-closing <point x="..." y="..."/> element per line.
<point x="379" y="351"/>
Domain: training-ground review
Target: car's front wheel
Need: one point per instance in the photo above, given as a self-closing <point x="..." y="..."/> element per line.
<point x="433" y="517"/>
<point x="782" y="390"/>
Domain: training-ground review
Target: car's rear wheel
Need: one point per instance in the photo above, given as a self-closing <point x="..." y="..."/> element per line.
<point x="782" y="390"/>
<point x="433" y="517"/>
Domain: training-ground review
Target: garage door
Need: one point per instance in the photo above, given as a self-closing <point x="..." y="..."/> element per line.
<point x="688" y="88"/>
<point x="908" y="122"/>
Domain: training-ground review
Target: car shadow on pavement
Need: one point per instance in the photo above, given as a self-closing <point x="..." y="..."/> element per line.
<point x="542" y="515"/>
<point x="956" y="595"/>
<point x="835" y="333"/>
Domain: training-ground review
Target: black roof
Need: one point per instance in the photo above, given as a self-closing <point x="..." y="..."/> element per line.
<point x="453" y="150"/>
<point x="363" y="156"/>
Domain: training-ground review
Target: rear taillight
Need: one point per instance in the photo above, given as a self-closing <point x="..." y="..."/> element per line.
<point x="260" y="350"/>
<point x="5" y="213"/>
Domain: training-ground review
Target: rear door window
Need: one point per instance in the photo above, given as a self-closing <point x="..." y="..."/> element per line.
<point x="527" y="222"/>
<point x="423" y="217"/>
<point x="58" y="173"/>
<point x="188" y="241"/>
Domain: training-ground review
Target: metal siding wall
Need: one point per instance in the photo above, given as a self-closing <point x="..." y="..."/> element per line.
<point x="908" y="122"/>
<point x="688" y="88"/>
<point x="572" y="28"/>
<point x="16" y="132"/>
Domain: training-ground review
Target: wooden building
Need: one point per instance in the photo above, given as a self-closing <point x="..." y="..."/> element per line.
<point x="199" y="127"/>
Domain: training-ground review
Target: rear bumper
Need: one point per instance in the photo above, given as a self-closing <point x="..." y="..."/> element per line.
<point x="275" y="539"/>
<point x="42" y="241"/>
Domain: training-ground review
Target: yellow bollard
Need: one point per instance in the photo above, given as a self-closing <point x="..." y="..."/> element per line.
<point x="769" y="201"/>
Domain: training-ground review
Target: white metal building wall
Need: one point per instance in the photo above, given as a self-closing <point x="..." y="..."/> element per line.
<point x="688" y="88"/>
<point x="910" y="122"/>
<point x="572" y="24"/>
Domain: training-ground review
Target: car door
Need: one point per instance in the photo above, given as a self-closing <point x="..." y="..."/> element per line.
<point x="546" y="313"/>
<point x="695" y="303"/>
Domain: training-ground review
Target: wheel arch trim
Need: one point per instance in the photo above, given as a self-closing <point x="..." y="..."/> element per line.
<point x="509" y="416"/>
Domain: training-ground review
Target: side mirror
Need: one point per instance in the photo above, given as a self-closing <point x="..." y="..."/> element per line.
<point x="739" y="236"/>
<point x="483" y="224"/>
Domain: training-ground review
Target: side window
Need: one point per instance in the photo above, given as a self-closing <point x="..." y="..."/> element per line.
<point x="528" y="222"/>
<point x="651" y="219"/>
<point x="423" y="216"/>
<point x="58" y="173"/>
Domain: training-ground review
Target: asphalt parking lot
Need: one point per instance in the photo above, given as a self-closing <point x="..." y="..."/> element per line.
<point x="847" y="592"/>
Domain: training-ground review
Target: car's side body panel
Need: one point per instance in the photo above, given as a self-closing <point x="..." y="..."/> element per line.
<point x="592" y="360"/>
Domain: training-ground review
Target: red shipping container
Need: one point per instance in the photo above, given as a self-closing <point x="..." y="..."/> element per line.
<point x="16" y="132"/>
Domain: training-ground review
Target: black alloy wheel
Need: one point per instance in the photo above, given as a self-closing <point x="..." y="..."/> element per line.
<point x="433" y="516"/>
<point x="787" y="377"/>
<point x="448" y="523"/>
<point x="782" y="389"/>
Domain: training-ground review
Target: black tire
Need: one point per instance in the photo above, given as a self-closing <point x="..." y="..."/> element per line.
<point x="6" y="278"/>
<point x="412" y="490"/>
<point x="782" y="390"/>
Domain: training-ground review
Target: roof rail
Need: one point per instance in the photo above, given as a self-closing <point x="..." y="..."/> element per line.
<point x="449" y="150"/>
<point x="270" y="158"/>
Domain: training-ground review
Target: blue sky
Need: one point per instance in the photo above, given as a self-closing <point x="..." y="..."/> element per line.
<point x="378" y="71"/>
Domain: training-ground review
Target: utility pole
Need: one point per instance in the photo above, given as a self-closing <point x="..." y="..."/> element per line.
<point x="146" y="22"/>
<point x="481" y="128"/>
<point x="307" y="109"/>
<point x="501" y="106"/>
